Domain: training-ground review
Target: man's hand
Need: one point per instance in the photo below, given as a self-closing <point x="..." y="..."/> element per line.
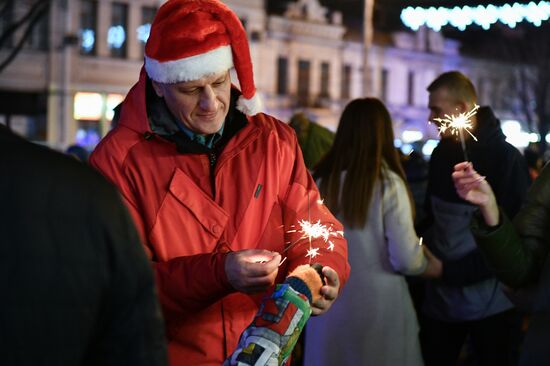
<point x="252" y="270"/>
<point x="473" y="188"/>
<point x="329" y="292"/>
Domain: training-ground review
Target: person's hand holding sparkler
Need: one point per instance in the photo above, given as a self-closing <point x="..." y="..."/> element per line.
<point x="323" y="235"/>
<point x="252" y="270"/>
<point x="473" y="187"/>
<point x="329" y="292"/>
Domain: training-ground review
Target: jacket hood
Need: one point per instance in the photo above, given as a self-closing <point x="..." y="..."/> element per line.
<point x="133" y="112"/>
<point x="488" y="127"/>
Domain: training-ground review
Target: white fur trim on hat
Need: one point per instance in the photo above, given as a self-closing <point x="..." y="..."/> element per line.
<point x="251" y="106"/>
<point x="190" y="68"/>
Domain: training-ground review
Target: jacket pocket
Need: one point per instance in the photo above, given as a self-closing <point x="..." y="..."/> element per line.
<point x="188" y="222"/>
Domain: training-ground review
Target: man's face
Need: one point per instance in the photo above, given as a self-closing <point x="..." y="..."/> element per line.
<point x="201" y="105"/>
<point x="441" y="103"/>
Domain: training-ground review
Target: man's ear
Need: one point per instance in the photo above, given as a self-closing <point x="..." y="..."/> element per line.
<point x="159" y="90"/>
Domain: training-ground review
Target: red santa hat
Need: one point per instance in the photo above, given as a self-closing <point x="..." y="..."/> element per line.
<point x="191" y="39"/>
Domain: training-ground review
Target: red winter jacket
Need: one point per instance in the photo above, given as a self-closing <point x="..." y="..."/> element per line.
<point x="190" y="219"/>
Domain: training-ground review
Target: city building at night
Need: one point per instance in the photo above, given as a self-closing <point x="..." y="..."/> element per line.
<point x="82" y="56"/>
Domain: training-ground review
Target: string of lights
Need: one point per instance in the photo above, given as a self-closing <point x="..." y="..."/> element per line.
<point x="483" y="16"/>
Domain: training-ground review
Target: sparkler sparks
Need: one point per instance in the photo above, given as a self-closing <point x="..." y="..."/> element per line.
<point x="318" y="230"/>
<point x="312" y="252"/>
<point x="314" y="230"/>
<point x="458" y="123"/>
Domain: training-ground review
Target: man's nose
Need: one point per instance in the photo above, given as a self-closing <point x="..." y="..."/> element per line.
<point x="208" y="101"/>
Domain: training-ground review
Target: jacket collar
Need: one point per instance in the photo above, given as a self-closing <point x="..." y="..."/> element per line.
<point x="133" y="114"/>
<point x="488" y="126"/>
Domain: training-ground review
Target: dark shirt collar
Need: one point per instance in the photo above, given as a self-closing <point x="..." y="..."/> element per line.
<point x="206" y="140"/>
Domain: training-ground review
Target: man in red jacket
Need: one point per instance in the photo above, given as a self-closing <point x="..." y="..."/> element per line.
<point x="218" y="190"/>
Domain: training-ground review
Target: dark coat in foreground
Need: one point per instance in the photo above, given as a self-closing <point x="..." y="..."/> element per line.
<point x="518" y="254"/>
<point x="75" y="285"/>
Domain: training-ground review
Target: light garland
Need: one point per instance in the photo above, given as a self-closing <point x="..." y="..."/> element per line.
<point x="484" y="16"/>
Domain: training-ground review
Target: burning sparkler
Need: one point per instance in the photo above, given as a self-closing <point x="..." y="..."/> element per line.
<point x="310" y="230"/>
<point x="456" y="124"/>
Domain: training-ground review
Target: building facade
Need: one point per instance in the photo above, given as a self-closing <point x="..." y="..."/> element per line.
<point x="82" y="57"/>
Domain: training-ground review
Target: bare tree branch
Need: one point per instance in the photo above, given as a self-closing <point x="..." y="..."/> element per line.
<point x="42" y="10"/>
<point x="13" y="27"/>
<point x="5" y="6"/>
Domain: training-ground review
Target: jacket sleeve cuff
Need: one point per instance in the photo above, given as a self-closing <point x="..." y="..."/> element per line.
<point x="481" y="229"/>
<point x="490" y="237"/>
<point x="502" y="249"/>
<point x="219" y="270"/>
<point x="193" y="282"/>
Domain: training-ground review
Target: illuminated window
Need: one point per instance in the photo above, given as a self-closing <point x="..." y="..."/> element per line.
<point x="88" y="27"/>
<point x="113" y="100"/>
<point x="147" y="16"/>
<point x="88" y="106"/>
<point x="116" y="35"/>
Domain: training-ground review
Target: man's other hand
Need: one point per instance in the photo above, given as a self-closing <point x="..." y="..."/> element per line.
<point x="252" y="270"/>
<point x="329" y="292"/>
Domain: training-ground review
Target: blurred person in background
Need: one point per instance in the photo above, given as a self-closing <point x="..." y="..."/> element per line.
<point x="78" y="152"/>
<point x="362" y="181"/>
<point x="468" y="301"/>
<point x="314" y="139"/>
<point x="534" y="160"/>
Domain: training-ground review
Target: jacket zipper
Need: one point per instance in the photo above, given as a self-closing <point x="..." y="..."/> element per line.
<point x="212" y="158"/>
